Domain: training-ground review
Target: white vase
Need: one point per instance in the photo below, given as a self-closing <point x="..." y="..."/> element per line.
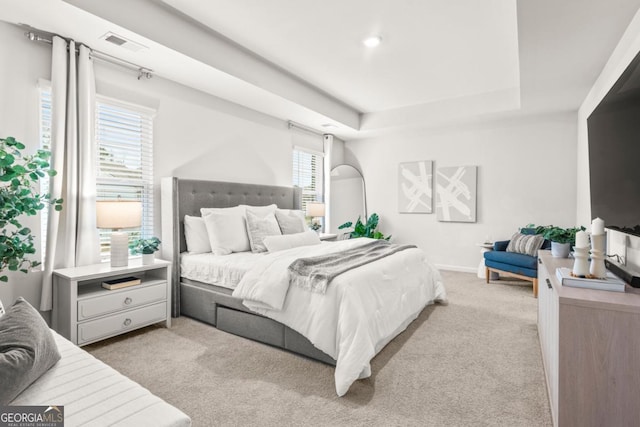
<point x="147" y="259"/>
<point x="560" y="250"/>
<point x="581" y="263"/>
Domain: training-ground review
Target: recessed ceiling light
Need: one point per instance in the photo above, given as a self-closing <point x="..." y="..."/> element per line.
<point x="372" y="41"/>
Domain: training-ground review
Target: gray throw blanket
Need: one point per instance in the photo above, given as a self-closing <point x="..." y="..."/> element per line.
<point x="315" y="273"/>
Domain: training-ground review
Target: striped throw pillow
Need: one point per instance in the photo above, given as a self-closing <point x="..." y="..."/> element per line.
<point x="525" y="244"/>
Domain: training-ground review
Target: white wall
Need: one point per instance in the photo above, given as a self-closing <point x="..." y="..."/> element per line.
<point x="526" y="174"/>
<point x="626" y="50"/>
<point x="195" y="135"/>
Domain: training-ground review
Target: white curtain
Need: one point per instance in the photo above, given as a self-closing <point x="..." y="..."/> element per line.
<point x="72" y="237"/>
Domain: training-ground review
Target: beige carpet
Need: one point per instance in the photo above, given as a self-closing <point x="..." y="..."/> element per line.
<point x="473" y="362"/>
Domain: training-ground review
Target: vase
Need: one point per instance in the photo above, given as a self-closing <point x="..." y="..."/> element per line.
<point x="560" y="250"/>
<point x="597" y="268"/>
<point x="581" y="263"/>
<point x="147" y="259"/>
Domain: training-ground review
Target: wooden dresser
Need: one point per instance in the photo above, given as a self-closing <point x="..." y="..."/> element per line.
<point x="590" y="342"/>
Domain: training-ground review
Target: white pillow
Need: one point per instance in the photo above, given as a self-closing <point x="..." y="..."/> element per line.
<point x="227" y="233"/>
<point x="259" y="228"/>
<point x="260" y="211"/>
<point x="291" y="221"/>
<point x="288" y="241"/>
<point x="231" y="211"/>
<point x="195" y="233"/>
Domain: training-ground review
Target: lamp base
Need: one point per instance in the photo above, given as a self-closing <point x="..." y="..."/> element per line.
<point x="119" y="249"/>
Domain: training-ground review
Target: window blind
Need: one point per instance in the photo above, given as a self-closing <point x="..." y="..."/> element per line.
<point x="45" y="144"/>
<point x="124" y="137"/>
<point x="307" y="174"/>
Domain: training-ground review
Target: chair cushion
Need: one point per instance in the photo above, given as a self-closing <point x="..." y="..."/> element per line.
<point x="512" y="258"/>
<point x="545" y="245"/>
<point x="512" y="268"/>
<point x="527" y="244"/>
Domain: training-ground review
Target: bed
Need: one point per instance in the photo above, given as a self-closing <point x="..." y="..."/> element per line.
<point x="347" y="336"/>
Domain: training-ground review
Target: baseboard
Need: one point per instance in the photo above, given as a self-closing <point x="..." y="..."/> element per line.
<point x="457" y="268"/>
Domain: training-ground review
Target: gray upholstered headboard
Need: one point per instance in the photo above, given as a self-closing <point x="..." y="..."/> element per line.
<point x="182" y="197"/>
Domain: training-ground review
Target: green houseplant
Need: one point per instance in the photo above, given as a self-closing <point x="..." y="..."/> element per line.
<point x="146" y="247"/>
<point x="367" y="229"/>
<point x="19" y="174"/>
<point x="562" y="239"/>
<point x="562" y="235"/>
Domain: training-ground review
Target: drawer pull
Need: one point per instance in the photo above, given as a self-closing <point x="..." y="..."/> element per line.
<point x="548" y="283"/>
<point x="539" y="261"/>
<point x="127" y="301"/>
<point x="127" y="322"/>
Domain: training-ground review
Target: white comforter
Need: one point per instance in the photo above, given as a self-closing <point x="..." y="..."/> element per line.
<point x="362" y="310"/>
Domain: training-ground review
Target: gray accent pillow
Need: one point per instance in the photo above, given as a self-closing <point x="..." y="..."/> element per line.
<point x="289" y="223"/>
<point x="527" y="244"/>
<point x="27" y="349"/>
<point x="259" y="228"/>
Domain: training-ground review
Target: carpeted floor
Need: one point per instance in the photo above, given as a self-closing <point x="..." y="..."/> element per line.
<point x="473" y="362"/>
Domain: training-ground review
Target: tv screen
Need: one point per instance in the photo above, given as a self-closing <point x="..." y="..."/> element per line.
<point x="614" y="154"/>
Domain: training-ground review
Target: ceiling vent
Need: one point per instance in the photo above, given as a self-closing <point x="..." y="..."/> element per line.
<point x="118" y="40"/>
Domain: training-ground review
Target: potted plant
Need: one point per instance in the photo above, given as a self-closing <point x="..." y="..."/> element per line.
<point x="367" y="229"/>
<point x="562" y="239"/>
<point x="146" y="247"/>
<point x="19" y="196"/>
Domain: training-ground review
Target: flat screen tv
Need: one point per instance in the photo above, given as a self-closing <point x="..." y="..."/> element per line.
<point x="614" y="154"/>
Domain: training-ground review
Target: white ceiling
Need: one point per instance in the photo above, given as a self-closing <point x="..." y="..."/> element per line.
<point x="431" y="50"/>
<point x="302" y="60"/>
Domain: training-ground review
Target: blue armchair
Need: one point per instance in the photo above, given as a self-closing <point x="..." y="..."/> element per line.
<point x="513" y="264"/>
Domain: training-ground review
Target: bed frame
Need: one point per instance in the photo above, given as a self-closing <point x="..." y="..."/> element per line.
<point x="213" y="304"/>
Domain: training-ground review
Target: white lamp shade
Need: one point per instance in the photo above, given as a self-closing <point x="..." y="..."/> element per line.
<point x="117" y="214"/>
<point x="315" y="209"/>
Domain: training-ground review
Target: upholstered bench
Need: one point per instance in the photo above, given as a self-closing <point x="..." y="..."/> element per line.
<point x="513" y="264"/>
<point x="40" y="367"/>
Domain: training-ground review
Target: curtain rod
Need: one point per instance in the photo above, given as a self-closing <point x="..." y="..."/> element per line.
<point x="304" y="128"/>
<point x="142" y="71"/>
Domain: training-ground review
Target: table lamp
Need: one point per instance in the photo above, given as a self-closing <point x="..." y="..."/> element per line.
<point x="315" y="210"/>
<point x="116" y="215"/>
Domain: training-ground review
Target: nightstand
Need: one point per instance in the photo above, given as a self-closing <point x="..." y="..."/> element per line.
<point x="85" y="312"/>
<point x="485" y="247"/>
<point x="330" y="237"/>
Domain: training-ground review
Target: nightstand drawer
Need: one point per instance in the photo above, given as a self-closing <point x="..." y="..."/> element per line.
<point x="122" y="322"/>
<point x="120" y="300"/>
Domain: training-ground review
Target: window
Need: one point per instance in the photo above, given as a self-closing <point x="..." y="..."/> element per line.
<point x="307" y="174"/>
<point x="124" y="138"/>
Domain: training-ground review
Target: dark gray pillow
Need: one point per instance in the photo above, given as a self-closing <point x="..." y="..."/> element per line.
<point x="27" y="349"/>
